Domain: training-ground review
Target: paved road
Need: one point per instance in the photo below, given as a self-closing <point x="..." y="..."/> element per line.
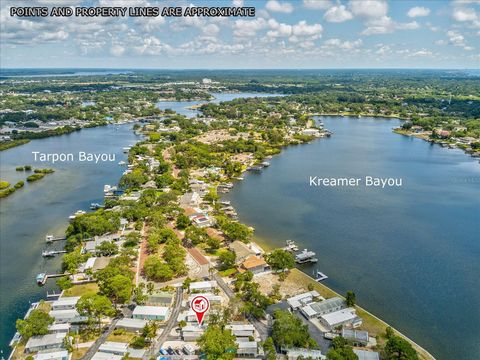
<point x="262" y="329"/>
<point x="94" y="348"/>
<point x="171" y="322"/>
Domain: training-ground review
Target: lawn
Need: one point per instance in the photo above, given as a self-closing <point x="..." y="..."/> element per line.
<point x="125" y="337"/>
<point x="84" y="289"/>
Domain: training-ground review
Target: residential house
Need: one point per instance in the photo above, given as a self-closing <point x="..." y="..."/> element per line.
<point x="65" y="303"/>
<point x="52" y="355"/>
<point x="247" y="349"/>
<point x="150" y="313"/>
<point x="191" y="332"/>
<point x="345" y="317"/>
<point x="45" y="342"/>
<point x="303" y="299"/>
<point x="366" y="355"/>
<point x="241" y="250"/>
<point x="316" y="309"/>
<point x="132" y="325"/>
<point x="202" y="286"/>
<point x="67" y="316"/>
<point x="190" y="199"/>
<point x="254" y="264"/>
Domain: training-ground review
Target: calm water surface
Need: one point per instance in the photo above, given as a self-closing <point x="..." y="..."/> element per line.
<point x="411" y="254"/>
<point x="43" y="208"/>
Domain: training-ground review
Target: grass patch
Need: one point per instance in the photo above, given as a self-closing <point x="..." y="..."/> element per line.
<point x="125" y="337"/>
<point x="79" y="353"/>
<point x="9" y="144"/>
<point x="228" y="272"/>
<point x="83" y="289"/>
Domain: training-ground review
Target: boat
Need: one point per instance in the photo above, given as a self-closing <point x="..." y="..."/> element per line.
<point x="49" y="238"/>
<point x="77" y="213"/>
<point x="95" y="206"/>
<point x="41" y="278"/>
<point x="291" y="246"/>
<point x="265" y="163"/>
<point x="126" y="149"/>
<point x="121" y="163"/>
<point x="108" y="188"/>
<point x="46" y="253"/>
<point x="305" y="256"/>
<point x="225" y="202"/>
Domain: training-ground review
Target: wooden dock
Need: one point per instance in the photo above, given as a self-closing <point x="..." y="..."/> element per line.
<point x="52" y="238"/>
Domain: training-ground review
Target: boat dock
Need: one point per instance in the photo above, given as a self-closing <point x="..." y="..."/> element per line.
<point x="305" y="256"/>
<point x="291" y="246"/>
<point x="320" y="276"/>
<point x="42" y="278"/>
<point x="52" y="253"/>
<point x="52" y="238"/>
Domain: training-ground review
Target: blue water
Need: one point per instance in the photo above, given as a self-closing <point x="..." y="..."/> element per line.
<point x="182" y="107"/>
<point x="43" y="207"/>
<point x="411" y="254"/>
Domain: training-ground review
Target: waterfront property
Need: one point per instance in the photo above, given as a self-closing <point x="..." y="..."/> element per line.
<point x="45" y="342"/>
<point x="316" y="309"/>
<point x="254" y="264"/>
<point x="65" y="303"/>
<point x="344" y="317"/>
<point x="303" y="299"/>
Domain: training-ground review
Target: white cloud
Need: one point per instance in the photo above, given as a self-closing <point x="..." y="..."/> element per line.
<point x="317" y="4"/>
<point x="237" y="3"/>
<point x="303" y="29"/>
<point x="386" y="25"/>
<point x="344" y="45"/>
<point x="248" y="28"/>
<point x="338" y="14"/>
<point x="455" y="38"/>
<point x="277" y="6"/>
<point x="369" y="8"/>
<point x="418" y="11"/>
<point x="421" y="53"/>
<point x="210" y="29"/>
<point x="117" y="50"/>
<point x="464" y="14"/>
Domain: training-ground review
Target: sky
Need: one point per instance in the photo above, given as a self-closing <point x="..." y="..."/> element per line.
<point x="291" y="34"/>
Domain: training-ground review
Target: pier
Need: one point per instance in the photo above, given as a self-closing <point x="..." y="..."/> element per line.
<point x="52" y="253"/>
<point x="42" y="278"/>
<point x="52" y="238"/>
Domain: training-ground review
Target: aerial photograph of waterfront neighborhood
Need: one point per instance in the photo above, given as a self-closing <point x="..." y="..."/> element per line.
<point x="240" y="179"/>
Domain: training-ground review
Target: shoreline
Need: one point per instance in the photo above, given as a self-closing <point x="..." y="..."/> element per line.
<point x="263" y="244"/>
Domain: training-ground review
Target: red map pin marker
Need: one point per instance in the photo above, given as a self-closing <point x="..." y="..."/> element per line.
<point x="200" y="305"/>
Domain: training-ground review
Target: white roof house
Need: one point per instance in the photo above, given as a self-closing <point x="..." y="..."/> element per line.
<point x="104" y="356"/>
<point x="366" y="355"/>
<point x="113" y="347"/>
<point x="192" y="332"/>
<point x="247" y="348"/>
<point x="341" y="317"/>
<point x="302" y="299"/>
<point x="293" y="354"/>
<point x="203" y="285"/>
<point x="241" y="330"/>
<point x="56" y="328"/>
<point x="131" y="324"/>
<point x="64" y="316"/>
<point x="52" y="355"/>
<point x="65" y="303"/>
<point x="150" y="312"/>
<point x="214" y="299"/>
<point x="90" y="263"/>
<point x="316" y="309"/>
<point x="44" y="342"/>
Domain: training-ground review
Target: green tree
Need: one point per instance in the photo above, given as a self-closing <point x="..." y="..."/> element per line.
<point x="36" y="323"/>
<point x="118" y="288"/>
<point x="341" y="350"/>
<point x="269" y="349"/>
<point x="350" y="298"/>
<point x="183" y="221"/>
<point x="217" y="343"/>
<point x="397" y="348"/>
<point x="289" y="331"/>
<point x="157" y="270"/>
<point x="227" y="259"/>
<point x="107" y="248"/>
<point x="95" y="307"/>
<point x="280" y="259"/>
<point x="64" y="283"/>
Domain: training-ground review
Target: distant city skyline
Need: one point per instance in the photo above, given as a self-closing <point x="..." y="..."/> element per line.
<point x="290" y="34"/>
